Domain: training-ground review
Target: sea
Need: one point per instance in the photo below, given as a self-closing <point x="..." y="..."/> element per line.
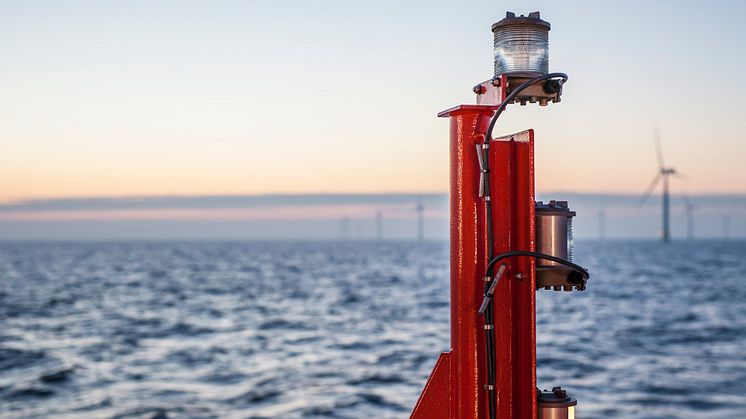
<point x="349" y="329"/>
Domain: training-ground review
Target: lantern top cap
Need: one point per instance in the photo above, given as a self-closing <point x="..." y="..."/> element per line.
<point x="533" y="18"/>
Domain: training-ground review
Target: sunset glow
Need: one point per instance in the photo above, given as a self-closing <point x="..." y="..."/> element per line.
<point x="102" y="99"/>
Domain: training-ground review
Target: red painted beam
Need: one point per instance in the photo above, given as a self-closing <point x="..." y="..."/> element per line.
<point x="512" y="181"/>
<point x="512" y="174"/>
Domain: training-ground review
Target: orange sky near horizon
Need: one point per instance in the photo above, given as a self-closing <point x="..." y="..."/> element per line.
<point x="105" y="100"/>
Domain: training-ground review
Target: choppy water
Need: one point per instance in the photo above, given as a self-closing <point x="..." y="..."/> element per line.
<point x="168" y="330"/>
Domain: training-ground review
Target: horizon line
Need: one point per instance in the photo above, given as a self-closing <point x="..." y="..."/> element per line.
<point x="330" y="194"/>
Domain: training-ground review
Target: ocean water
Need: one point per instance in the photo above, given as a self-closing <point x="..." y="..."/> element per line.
<point x="349" y="330"/>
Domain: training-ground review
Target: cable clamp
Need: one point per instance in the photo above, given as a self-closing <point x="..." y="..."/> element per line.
<point x="485" y="146"/>
<point x="489" y="326"/>
<point x="483" y="171"/>
<point x="487" y="278"/>
<point x="491" y="290"/>
<point x="489" y="387"/>
<point x="487" y="198"/>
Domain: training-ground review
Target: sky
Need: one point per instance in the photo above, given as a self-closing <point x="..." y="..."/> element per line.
<point x="220" y="98"/>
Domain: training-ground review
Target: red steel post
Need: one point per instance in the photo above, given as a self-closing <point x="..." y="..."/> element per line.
<point x="455" y="388"/>
<point x="512" y="174"/>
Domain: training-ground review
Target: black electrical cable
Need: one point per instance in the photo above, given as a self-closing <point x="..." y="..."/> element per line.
<point x="491" y="265"/>
<point x="515" y="92"/>
<point x="489" y="323"/>
<point x="489" y="315"/>
<point x="489" y="294"/>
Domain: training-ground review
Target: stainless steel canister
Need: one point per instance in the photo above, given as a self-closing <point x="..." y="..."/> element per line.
<point x="553" y="231"/>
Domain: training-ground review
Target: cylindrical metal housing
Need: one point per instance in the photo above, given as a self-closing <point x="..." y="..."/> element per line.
<point x="553" y="231"/>
<point x="521" y="45"/>
<point x="555" y="404"/>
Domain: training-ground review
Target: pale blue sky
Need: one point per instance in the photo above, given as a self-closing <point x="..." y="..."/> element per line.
<point x="185" y="97"/>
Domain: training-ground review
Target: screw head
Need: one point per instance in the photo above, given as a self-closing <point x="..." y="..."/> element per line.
<point x="559" y="392"/>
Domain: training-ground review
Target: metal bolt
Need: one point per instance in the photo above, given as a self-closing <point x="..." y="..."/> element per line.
<point x="478" y="89"/>
<point x="559" y="392"/>
<point x="519" y="276"/>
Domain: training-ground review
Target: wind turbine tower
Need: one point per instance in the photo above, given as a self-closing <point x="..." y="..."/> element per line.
<point x="344" y="224"/>
<point x="379" y="225"/>
<point x="420" y="221"/>
<point x="664" y="173"/>
<point x="689" y="211"/>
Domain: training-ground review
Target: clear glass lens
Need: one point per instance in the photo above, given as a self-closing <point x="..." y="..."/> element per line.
<point x="521" y="49"/>
<point x="513" y="56"/>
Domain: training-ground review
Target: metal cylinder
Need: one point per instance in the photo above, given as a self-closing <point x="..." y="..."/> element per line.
<point x="521" y="45"/>
<point x="555" y="404"/>
<point x="553" y="231"/>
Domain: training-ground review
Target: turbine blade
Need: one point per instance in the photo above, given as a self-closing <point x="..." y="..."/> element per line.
<point x="650" y="189"/>
<point x="680" y="176"/>
<point x="658" y="148"/>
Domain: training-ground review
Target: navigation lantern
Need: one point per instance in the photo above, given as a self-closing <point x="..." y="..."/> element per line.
<point x="521" y="45"/>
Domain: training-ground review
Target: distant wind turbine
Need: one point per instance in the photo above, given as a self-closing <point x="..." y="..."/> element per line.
<point x="689" y="211"/>
<point x="420" y="208"/>
<point x="344" y="224"/>
<point x="663" y="173"/>
<point x="379" y="225"/>
<point x="602" y="224"/>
